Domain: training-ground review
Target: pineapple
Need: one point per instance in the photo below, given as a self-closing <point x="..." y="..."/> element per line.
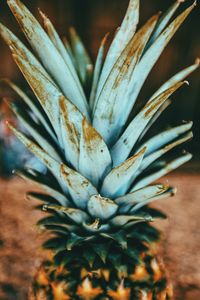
<point x="101" y="170"/>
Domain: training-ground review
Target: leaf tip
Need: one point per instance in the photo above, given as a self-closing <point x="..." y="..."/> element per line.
<point x="186" y="82"/>
<point x="197" y="62"/>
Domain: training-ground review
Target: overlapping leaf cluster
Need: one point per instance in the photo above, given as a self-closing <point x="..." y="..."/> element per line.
<point x="101" y="169"/>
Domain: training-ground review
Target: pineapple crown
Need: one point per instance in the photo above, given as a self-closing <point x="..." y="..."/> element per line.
<point x="101" y="169"/>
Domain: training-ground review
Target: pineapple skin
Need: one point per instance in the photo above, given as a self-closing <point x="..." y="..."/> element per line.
<point x="148" y="281"/>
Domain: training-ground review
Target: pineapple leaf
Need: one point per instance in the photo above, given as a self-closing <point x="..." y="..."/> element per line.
<point x="56" y="244"/>
<point x="97" y="71"/>
<point x="177" y="78"/>
<point x="108" y="114"/>
<point x="76" y="215"/>
<point x="162" y="23"/>
<point x="127" y="201"/>
<point x="168" y="193"/>
<point x="73" y="240"/>
<point x="102" y="250"/>
<point x="124" y="34"/>
<point x="96" y="227"/>
<point x="46" y="92"/>
<point x="33" y="107"/>
<point x="119" y="237"/>
<point x="95" y="160"/>
<point x="163" y="138"/>
<point x="101" y="208"/>
<point x="151" y="56"/>
<point x="42" y="197"/>
<point x="49" y="187"/>
<point x="34" y="131"/>
<point x="18" y="48"/>
<point x="53" y="35"/>
<point x="82" y="59"/>
<point x="118" y="181"/>
<point x="71" y="120"/>
<point x="79" y="187"/>
<point x="48" y="54"/>
<point x="121" y="220"/>
<point x="124" y="145"/>
<point x="89" y="256"/>
<point x="165" y="170"/>
<point x="148" y="160"/>
<point x="163" y="107"/>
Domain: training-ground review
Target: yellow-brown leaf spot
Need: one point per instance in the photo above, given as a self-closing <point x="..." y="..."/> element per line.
<point x="91" y="136"/>
<point x="153" y="104"/>
<point x="134" y="49"/>
<point x="87" y="292"/>
<point x="73" y="133"/>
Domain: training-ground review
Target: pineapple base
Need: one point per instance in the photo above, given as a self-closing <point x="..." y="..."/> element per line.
<point x="147" y="282"/>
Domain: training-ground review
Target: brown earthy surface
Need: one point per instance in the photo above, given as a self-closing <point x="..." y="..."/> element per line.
<point x="19" y="241"/>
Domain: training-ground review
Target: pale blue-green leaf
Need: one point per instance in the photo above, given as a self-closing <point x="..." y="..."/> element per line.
<point x="118" y="181"/>
<point x="148" y="160"/>
<point x="59" y="45"/>
<point x="49" y="55"/>
<point x="165" y="170"/>
<point x="31" y="176"/>
<point x="149" y="59"/>
<point x="102" y="208"/>
<point x="68" y="49"/>
<point x="32" y="106"/>
<point x="46" y="92"/>
<point x="155" y="117"/>
<point x="26" y="61"/>
<point x="122" y="220"/>
<point x="76" y="215"/>
<point x="95" y="160"/>
<point x="18" y="48"/>
<point x="166" y="137"/>
<point x="44" y="157"/>
<point x="97" y="71"/>
<point x="45" y="198"/>
<point x="109" y="110"/>
<point x="33" y="130"/>
<point x="79" y="188"/>
<point x="124" y="145"/>
<point x="82" y="59"/>
<point x="164" y="20"/>
<point x="122" y="38"/>
<point x="70" y="121"/>
<point x="177" y="78"/>
<point x="127" y="201"/>
<point x="168" y="193"/>
<point x="96" y="227"/>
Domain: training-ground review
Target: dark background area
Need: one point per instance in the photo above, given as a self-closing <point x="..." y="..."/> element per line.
<point x="92" y="19"/>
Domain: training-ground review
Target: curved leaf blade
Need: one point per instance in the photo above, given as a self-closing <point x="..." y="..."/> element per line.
<point x="124" y="145"/>
<point x="95" y="160"/>
<point x="118" y="181"/>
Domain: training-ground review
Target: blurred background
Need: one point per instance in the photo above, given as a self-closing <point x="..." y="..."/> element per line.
<point x="92" y="19"/>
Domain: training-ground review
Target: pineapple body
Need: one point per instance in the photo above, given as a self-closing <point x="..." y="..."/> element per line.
<point x="148" y="281"/>
<point x="101" y="170"/>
